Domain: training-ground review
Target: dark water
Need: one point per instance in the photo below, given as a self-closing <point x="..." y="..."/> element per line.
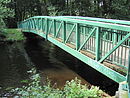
<point x="50" y="61"/>
<point x="14" y="64"/>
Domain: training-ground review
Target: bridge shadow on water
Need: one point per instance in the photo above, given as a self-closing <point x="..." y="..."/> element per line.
<point x="59" y="66"/>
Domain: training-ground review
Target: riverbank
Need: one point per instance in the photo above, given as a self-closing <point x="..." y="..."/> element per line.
<point x="11" y="35"/>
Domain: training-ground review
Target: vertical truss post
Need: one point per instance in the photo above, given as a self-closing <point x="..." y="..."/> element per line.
<point x="64" y="32"/>
<point x="97" y="43"/>
<point x="77" y="36"/>
<point x="34" y="26"/>
<point x="46" y="28"/>
<point x="42" y="25"/>
<point x="29" y="24"/>
<point x="35" y="21"/>
<point x="54" y="28"/>
<point x="32" y="23"/>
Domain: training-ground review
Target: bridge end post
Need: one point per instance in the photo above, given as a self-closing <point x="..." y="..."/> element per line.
<point x="123" y="91"/>
<point x="124" y="87"/>
<point x="128" y="75"/>
<point x="46" y="29"/>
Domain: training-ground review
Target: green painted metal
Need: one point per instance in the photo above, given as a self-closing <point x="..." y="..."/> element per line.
<point x="91" y="33"/>
<point x="124" y="22"/>
<point x="64" y="32"/>
<point x="59" y="28"/>
<point x="50" y="26"/>
<point x="97" y="43"/>
<point x="97" y="24"/>
<point x="77" y="37"/>
<point x="111" y="51"/>
<point x="128" y="74"/>
<point x="46" y="30"/>
<point x="70" y="33"/>
<point x="54" y="27"/>
<point x="107" y="36"/>
<point x="105" y="39"/>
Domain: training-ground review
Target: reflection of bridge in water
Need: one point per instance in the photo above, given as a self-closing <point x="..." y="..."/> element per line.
<point x="103" y="44"/>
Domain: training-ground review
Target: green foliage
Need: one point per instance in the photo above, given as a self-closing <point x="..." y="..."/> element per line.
<point x="72" y="89"/>
<point x="13" y="35"/>
<point x="23" y="9"/>
<point x="120" y="9"/>
<point x="4" y="12"/>
<point x="52" y="11"/>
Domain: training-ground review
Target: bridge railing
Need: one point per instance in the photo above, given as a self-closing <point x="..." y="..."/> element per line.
<point x="106" y="42"/>
<point x="109" y="38"/>
<point x="122" y="22"/>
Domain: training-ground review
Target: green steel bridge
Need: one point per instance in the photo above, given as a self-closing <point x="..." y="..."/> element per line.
<point x="102" y="44"/>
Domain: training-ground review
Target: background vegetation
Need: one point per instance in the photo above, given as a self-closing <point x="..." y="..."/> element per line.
<point x="22" y="9"/>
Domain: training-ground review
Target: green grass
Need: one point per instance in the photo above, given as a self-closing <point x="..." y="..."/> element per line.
<point x="13" y="35"/>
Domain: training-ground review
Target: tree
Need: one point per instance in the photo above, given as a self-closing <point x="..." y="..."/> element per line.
<point x="118" y="9"/>
<point x="4" y="12"/>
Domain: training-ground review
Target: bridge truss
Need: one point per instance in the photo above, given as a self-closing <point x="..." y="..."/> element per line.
<point x="102" y="44"/>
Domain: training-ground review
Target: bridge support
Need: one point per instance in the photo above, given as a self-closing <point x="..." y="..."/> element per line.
<point x="124" y="87"/>
<point x="128" y="75"/>
<point x="123" y="91"/>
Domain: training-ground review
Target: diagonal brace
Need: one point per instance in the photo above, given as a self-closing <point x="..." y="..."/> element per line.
<point x="91" y="33"/>
<point x="70" y="33"/>
<point x="50" y="26"/>
<point x="111" y="51"/>
<point x="44" y="23"/>
<point x="59" y="29"/>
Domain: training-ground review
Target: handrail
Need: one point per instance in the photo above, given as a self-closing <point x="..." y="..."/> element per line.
<point x="87" y="22"/>
<point x="115" y="21"/>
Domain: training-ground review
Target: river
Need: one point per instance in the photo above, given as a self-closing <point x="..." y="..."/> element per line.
<point x="50" y="61"/>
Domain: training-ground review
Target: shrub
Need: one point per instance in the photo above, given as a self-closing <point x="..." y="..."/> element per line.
<point x="72" y="89"/>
